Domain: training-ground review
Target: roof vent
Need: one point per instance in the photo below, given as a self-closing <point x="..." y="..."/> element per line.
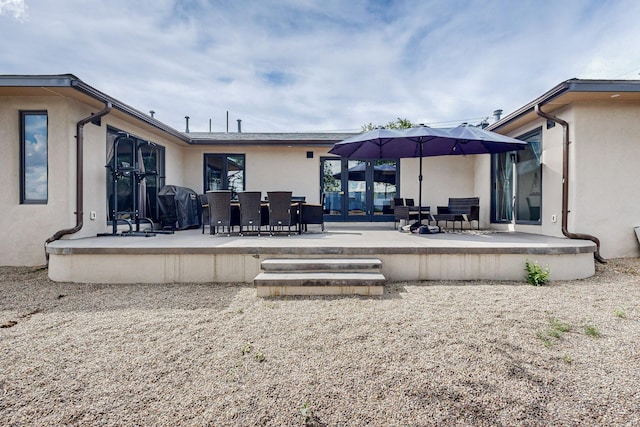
<point x="497" y="114"/>
<point x="187" y="120"/>
<point x="239" y="126"/>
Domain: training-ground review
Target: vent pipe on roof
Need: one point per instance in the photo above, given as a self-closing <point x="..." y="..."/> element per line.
<point x="497" y="114"/>
<point x="187" y="120"/>
<point x="565" y="184"/>
<point x="239" y="126"/>
<point x="93" y="118"/>
<point x="151" y="113"/>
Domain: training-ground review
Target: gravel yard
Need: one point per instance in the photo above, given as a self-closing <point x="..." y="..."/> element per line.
<point x="445" y="353"/>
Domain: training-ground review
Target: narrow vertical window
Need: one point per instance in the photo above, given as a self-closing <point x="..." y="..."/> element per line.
<point x="34" y="147"/>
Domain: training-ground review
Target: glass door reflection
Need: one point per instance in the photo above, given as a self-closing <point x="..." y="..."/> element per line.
<point x="384" y="186"/>
<point x="332" y="187"/>
<point x="357" y="188"/>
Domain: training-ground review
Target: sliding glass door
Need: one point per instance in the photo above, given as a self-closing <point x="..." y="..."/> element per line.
<point x="517" y="183"/>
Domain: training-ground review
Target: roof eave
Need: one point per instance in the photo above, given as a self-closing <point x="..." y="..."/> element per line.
<point x="571" y="85"/>
<point x="528" y="108"/>
<point x="96" y="94"/>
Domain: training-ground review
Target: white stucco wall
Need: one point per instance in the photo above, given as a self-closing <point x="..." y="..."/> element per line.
<point x="603" y="174"/>
<point x="27" y="226"/>
<point x="606" y="165"/>
<point x="443" y="177"/>
<point x="276" y="168"/>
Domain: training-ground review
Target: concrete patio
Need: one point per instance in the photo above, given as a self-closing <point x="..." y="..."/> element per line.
<point x="190" y="256"/>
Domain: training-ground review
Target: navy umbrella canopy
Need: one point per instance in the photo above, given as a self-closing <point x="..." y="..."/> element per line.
<point x="372" y="144"/>
<point x="381" y="173"/>
<point x="423" y="141"/>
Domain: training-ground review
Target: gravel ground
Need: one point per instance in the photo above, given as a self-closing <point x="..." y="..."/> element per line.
<point x="430" y="353"/>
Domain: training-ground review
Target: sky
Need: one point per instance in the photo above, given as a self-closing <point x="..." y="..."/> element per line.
<point x="321" y="65"/>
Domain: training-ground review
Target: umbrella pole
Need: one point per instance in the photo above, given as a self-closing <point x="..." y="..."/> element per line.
<point x="420" y="188"/>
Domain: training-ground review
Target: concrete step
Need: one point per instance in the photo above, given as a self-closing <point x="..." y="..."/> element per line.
<point x="321" y="264"/>
<point x="269" y="284"/>
<point x="320" y="276"/>
<point x="319" y="279"/>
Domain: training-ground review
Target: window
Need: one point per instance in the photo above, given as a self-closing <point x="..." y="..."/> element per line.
<point x="224" y="172"/>
<point x="135" y="190"/>
<point x="517" y="182"/>
<point x="34" y="147"/>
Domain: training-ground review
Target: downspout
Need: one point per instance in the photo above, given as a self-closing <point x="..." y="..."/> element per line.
<point x="79" y="177"/>
<point x="565" y="184"/>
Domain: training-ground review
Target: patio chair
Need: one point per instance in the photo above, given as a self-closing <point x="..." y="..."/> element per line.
<point x="396" y="204"/>
<point x="279" y="210"/>
<point x="250" y="216"/>
<point x="411" y="213"/>
<point x="312" y="214"/>
<point x="204" y="202"/>
<point x="219" y="211"/>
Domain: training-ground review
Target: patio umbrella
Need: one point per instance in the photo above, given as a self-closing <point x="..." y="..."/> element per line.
<point x="423" y="141"/>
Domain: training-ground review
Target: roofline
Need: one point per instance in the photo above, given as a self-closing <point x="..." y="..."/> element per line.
<point x="270" y="138"/>
<point x="96" y="94"/>
<point x="571" y="85"/>
<point x="264" y="142"/>
<point x="58" y="80"/>
<point x="71" y="81"/>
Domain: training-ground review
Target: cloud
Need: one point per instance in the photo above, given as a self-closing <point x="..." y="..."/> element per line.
<point x="323" y="65"/>
<point x="15" y="8"/>
<point x="35" y="147"/>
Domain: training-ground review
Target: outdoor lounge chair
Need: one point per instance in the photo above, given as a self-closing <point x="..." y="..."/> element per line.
<point x="312" y="214"/>
<point x="219" y="210"/>
<point x="280" y="214"/>
<point x="250" y="215"/>
<point x="463" y="209"/>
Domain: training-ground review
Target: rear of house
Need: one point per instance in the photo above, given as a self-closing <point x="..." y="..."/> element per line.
<point x="43" y="118"/>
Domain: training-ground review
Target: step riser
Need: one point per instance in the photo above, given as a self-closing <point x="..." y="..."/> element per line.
<point x="319" y="282"/>
<point x="277" y="291"/>
<point x="321" y="264"/>
<point x="322" y="270"/>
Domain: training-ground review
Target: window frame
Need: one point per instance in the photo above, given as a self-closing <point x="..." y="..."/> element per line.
<point x="24" y="199"/>
<point x="224" y="173"/>
<point x="516" y="185"/>
<point x="525" y="137"/>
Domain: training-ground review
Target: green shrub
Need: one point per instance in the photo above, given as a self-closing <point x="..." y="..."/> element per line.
<point x="620" y="312"/>
<point x="592" y="331"/>
<point x="536" y="275"/>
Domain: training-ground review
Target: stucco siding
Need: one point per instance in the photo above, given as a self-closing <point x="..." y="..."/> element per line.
<point x="28" y="226"/>
<point x="443" y="177"/>
<point x="276" y="168"/>
<point x="606" y="143"/>
<point x="603" y="174"/>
